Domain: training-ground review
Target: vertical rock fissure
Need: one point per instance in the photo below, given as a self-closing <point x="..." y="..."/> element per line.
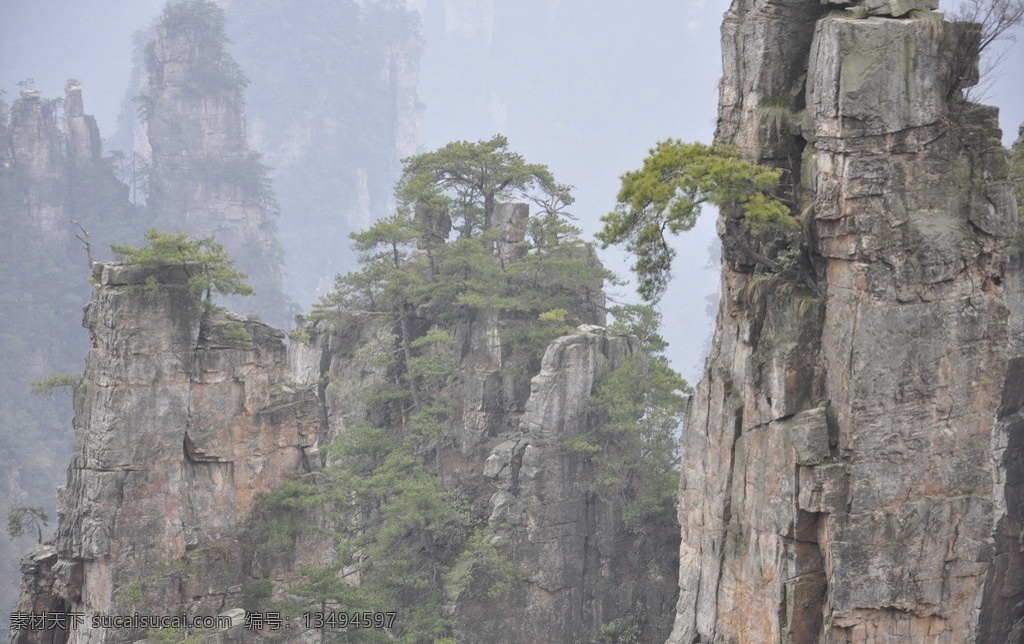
<point x="862" y="496"/>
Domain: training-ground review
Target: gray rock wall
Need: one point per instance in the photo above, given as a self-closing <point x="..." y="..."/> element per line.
<point x="179" y="425"/>
<point x="580" y="567"/>
<point x="850" y="459"/>
<point x="36" y="150"/>
<point x="83" y="136"/>
<point x="182" y="420"/>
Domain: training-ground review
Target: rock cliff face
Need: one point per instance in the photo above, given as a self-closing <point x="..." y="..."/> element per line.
<point x="181" y="420"/>
<point x="850" y="459"/>
<point x="36" y="150"/>
<point x="204" y="178"/>
<point x="581" y="567"/>
<point x="52" y="180"/>
<point x="80" y="129"/>
<point x="184" y="417"/>
<point x="577" y="566"/>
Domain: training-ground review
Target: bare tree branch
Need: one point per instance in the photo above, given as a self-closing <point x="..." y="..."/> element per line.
<point x="976" y="25"/>
<point x="83" y="236"/>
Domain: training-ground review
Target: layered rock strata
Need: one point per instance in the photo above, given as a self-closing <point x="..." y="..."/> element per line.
<point x="851" y="460"/>
<point x="579" y="567"/>
<point x="80" y="129"/>
<point x="181" y="420"/>
<point x="35" y="150"/>
<point x="184" y="416"/>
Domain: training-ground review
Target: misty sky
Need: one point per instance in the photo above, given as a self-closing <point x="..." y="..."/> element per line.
<point x="585" y="86"/>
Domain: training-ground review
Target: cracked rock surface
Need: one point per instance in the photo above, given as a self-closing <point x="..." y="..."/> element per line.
<point x="178" y="427"/>
<point x="851" y="461"/>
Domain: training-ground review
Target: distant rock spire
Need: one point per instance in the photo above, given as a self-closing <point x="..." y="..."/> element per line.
<point x="205" y="180"/>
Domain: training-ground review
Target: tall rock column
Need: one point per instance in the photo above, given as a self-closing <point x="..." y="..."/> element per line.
<point x="181" y="420"/>
<point x="204" y="178"/>
<point x="36" y="151"/>
<point x="848" y="463"/>
<point x="83" y="135"/>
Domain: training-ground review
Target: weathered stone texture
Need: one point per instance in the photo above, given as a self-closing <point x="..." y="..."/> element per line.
<point x="179" y="425"/>
<point x="874" y="76"/>
<point x="764" y="59"/>
<point x="83" y="135"/>
<point x="204" y="180"/>
<point x="581" y="567"/>
<point x="850" y="461"/>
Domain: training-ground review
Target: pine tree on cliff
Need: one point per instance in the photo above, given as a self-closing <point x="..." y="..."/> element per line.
<point x="470" y="179"/>
<point x="205" y="261"/>
<point x="667" y="194"/>
<point x="404" y="516"/>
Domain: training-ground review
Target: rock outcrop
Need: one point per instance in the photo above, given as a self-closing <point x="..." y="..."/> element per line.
<point x="80" y="129"/>
<point x="578" y="567"/>
<point x="185" y="416"/>
<point x="850" y="459"/>
<point x="581" y="567"/>
<point x="54" y="187"/>
<point x="181" y="420"/>
<point x="35" y="150"/>
<point x="204" y="179"/>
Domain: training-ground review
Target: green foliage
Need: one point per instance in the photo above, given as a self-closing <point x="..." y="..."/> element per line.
<point x="401" y="527"/>
<point x="204" y="260"/>
<point x="256" y="595"/>
<point x="411" y="274"/>
<point x="618" y="632"/>
<point x="397" y="528"/>
<point x="467" y="180"/>
<point x="235" y="332"/>
<point x="635" y="414"/>
<point x="130" y="594"/>
<point x="52" y="384"/>
<point x="40" y="322"/>
<point x="667" y="194"/>
<point x="641" y="320"/>
<point x="481" y="568"/>
<point x="282" y="518"/>
<point x="300" y="336"/>
<point x="22" y="517"/>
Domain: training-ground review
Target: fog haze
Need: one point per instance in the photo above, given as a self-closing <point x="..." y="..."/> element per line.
<point x="585" y="87"/>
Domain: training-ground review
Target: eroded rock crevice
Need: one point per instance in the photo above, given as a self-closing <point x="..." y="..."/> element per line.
<point x="858" y="492"/>
<point x="174" y="442"/>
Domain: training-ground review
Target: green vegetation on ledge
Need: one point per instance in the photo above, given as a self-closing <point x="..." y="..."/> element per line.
<point x="204" y="260"/>
<point x="667" y="194"/>
<point x="403" y="519"/>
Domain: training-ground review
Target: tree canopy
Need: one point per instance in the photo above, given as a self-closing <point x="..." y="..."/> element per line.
<point x="204" y="260"/>
<point x="213" y="69"/>
<point x="667" y="193"/>
<point x="404" y="514"/>
<point x="467" y="180"/>
<point x="22" y="517"/>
